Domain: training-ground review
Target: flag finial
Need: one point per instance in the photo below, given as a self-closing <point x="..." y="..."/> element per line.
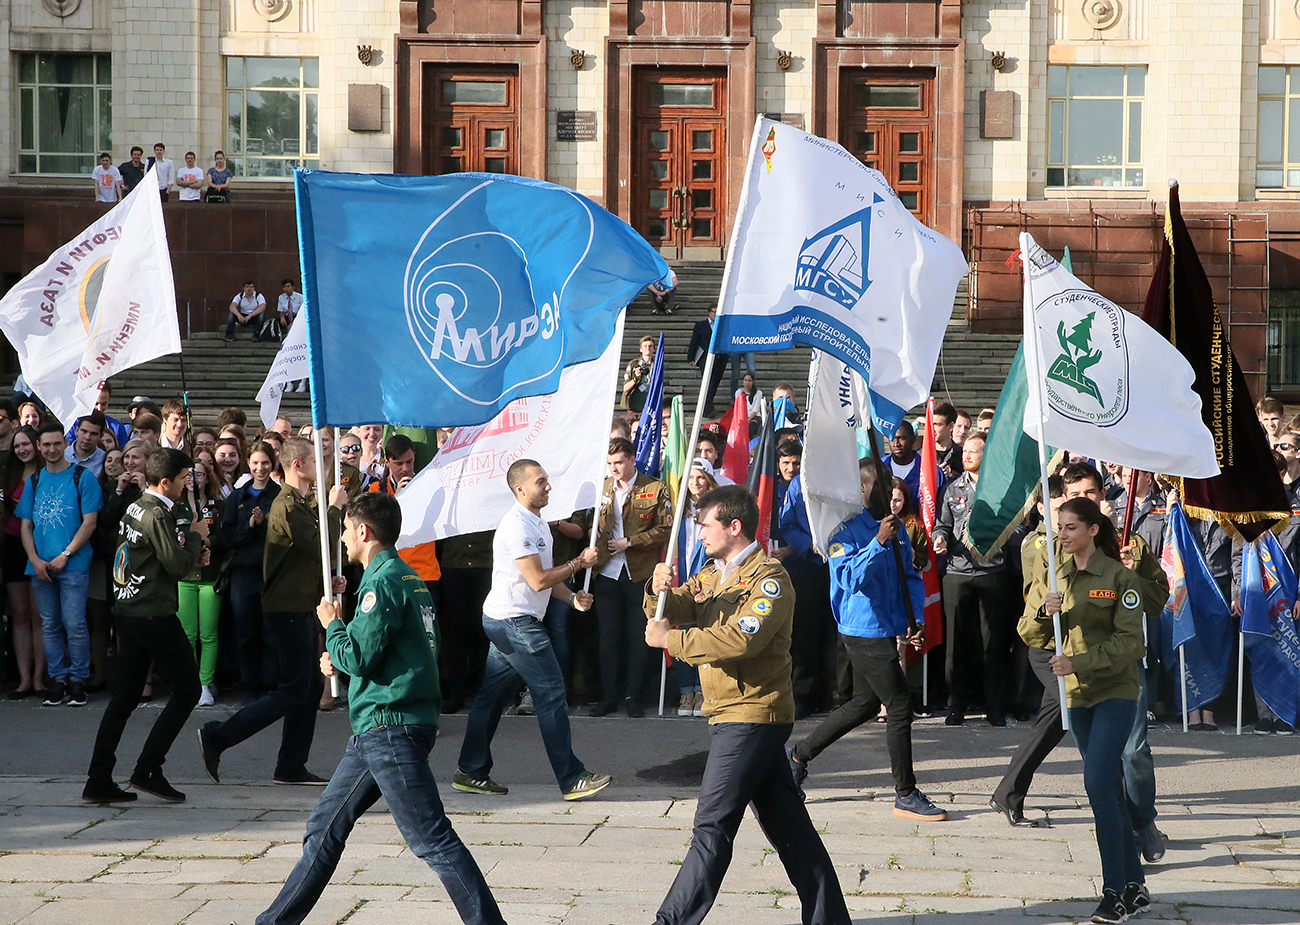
<point x="1173" y="183"/>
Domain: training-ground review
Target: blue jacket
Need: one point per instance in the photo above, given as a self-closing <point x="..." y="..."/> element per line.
<point x="865" y="594"/>
<point x="793" y="521"/>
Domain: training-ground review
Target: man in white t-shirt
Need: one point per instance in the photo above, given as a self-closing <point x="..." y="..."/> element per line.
<point x="190" y="179"/>
<point x="523" y="583"/>
<point x="166" y="170"/>
<point x="108" y="180"/>
<point x="246" y="308"/>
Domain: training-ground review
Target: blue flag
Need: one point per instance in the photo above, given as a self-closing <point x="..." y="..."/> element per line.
<point x="436" y="301"/>
<point x="1268" y="592"/>
<point x="649" y="433"/>
<point x="1196" y="617"/>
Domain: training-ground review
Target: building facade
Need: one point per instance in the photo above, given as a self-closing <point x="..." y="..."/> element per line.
<point x="1065" y="118"/>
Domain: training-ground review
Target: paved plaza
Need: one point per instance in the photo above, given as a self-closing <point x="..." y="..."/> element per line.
<point x="1229" y="806"/>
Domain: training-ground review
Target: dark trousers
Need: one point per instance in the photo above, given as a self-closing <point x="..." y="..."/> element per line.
<point x="392" y="762"/>
<point x="978" y="604"/>
<point x="1101" y="732"/>
<point x="1044" y="735"/>
<point x="747" y="766"/>
<point x="292" y="637"/>
<point x="877" y="678"/>
<point x="256" y="662"/>
<point x="812" y="632"/>
<point x="464" y="646"/>
<point x="141" y="640"/>
<point x="624" y="656"/>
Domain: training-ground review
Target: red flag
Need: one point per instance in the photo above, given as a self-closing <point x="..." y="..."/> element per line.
<point x="928" y="505"/>
<point x="735" y="462"/>
<point x="762" y="481"/>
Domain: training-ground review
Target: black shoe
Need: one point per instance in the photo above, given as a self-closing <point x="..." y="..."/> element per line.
<point x="106" y="792"/>
<point x="76" y="694"/>
<point x="55" y="695"/>
<point x="156" y="785"/>
<point x="1264" y="726"/>
<point x="604" y="708"/>
<point x="211" y="754"/>
<point x="634" y="709"/>
<point x="1111" y="910"/>
<point x="954" y="719"/>
<point x="1015" y="817"/>
<point x="303" y="777"/>
<point x="997" y="718"/>
<point x="1137" y="899"/>
<point x="20" y="694"/>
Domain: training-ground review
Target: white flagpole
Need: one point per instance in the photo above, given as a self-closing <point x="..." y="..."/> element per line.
<point x="338" y="480"/>
<point x="1241" y="667"/>
<point x="1182" y="670"/>
<point x="1036" y="403"/>
<point x="322" y="510"/>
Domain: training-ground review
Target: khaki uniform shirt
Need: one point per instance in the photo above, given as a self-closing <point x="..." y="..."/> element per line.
<point x="740" y="639"/>
<point x="647" y="521"/>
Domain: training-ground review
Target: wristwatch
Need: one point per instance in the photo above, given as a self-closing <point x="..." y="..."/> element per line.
<point x="67" y="553"/>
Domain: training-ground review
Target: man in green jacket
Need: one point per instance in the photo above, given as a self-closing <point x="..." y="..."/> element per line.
<point x="389" y="649"/>
<point x="152" y="554"/>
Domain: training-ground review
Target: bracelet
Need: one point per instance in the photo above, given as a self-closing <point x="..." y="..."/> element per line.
<point x="573" y="569"/>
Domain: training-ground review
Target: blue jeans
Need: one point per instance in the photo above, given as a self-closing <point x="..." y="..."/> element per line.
<point x="62" y="605"/>
<point x="1101" y="732"/>
<point x="557" y="627"/>
<point x="520" y="648"/>
<point x="392" y="762"/>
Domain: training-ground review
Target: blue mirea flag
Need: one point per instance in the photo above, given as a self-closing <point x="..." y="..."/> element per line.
<point x="1197" y="618"/>
<point x="436" y="301"/>
<point x="649" y="433"/>
<point x="1268" y="593"/>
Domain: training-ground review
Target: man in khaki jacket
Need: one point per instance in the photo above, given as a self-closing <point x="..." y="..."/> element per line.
<point x="735" y="617"/>
<point x="636" y="517"/>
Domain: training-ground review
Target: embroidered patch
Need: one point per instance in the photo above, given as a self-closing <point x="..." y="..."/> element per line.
<point x="368" y="602"/>
<point x="700" y="597"/>
<point x="646" y="496"/>
<point x="1104" y="594"/>
<point x="837" y="549"/>
<point x="762" y="607"/>
<point x="771" y="587"/>
<point x="1131" y="599"/>
<point x="748" y="625"/>
<point x="1040" y="542"/>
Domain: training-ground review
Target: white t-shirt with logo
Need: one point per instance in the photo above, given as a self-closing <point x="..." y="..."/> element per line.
<point x="190" y="174"/>
<point x="521" y="533"/>
<point x="106" y="181"/>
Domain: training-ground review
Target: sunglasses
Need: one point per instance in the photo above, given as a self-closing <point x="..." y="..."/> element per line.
<point x="350" y="448"/>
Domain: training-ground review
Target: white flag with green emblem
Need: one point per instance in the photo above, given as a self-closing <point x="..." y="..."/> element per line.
<point x="1107" y="384"/>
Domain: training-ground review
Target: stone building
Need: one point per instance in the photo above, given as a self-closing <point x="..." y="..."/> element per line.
<point x="990" y="116"/>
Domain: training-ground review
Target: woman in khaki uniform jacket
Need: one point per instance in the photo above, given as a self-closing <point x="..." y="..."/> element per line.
<point x="1100" y="603"/>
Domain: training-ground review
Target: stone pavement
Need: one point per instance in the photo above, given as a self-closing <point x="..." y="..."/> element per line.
<point x="1228" y="806"/>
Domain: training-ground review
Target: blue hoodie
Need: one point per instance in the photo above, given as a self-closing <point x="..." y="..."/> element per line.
<point x="865" y="594"/>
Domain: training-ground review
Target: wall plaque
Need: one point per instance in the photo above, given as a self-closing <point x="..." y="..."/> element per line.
<point x="575" y="125"/>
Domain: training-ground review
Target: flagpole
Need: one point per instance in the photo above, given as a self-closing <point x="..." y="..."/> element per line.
<point x="1036" y="401"/>
<point x="1241" y="668"/>
<point x="322" y="511"/>
<point x="338" y="480"/>
<point x="1128" y="509"/>
<point x="1182" y="670"/>
<point x="884" y="489"/>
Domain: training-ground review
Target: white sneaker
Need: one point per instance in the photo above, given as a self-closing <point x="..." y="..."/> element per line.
<point x="207" y="699"/>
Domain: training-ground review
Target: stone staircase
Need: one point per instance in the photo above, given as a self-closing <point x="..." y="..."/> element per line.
<point x="970" y="373"/>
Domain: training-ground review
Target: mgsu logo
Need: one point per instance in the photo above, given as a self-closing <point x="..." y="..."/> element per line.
<point x="471" y="307"/>
<point x="833" y="262"/>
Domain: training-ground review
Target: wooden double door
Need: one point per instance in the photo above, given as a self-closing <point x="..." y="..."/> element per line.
<point x="679" y="161"/>
<point x="887" y="120"/>
<point x="471" y="121"/>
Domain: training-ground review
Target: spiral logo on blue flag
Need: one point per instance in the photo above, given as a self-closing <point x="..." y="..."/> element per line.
<point x="472" y="308"/>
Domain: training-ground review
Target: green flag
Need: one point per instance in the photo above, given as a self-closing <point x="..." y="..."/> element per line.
<point x="675" y="450"/>
<point x="1010" y="472"/>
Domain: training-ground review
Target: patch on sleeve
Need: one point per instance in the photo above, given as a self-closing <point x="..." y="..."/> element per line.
<point x="368" y="602"/>
<point x="1131" y="599"/>
<point x="771" y="587"/>
<point x="762" y="607"/>
<point x="837" y="549"/>
<point x="1040" y="542"/>
<point x="1104" y="594"/>
<point x="748" y="625"/>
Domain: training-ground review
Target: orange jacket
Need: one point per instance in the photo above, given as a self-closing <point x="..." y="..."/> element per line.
<point x="422" y="558"/>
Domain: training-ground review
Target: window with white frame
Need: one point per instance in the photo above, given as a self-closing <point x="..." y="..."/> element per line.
<point x="271" y="115"/>
<point x="65" y="112"/>
<point x="1277" y="165"/>
<point x="1094" y="125"/>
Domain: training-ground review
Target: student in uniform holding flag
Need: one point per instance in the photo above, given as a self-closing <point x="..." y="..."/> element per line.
<point x="867" y="600"/>
<point x="1100" y="606"/>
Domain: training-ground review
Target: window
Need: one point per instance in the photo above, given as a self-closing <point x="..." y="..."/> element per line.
<point x="1283" y="343"/>
<point x="271" y="113"/>
<point x="1278" y="163"/>
<point x="65" y="112"/>
<point x="1094" y="126"/>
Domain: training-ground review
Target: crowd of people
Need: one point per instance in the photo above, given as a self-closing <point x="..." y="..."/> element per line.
<point x="191" y="182"/>
<point x="192" y="554"/>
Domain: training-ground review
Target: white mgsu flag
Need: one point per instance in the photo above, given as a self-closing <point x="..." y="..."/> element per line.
<point x="291" y="364"/>
<point x="824" y="253"/>
<point x="837" y="406"/>
<point x="464" y="489"/>
<point x="1102" y="382"/>
<point x="101" y="303"/>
